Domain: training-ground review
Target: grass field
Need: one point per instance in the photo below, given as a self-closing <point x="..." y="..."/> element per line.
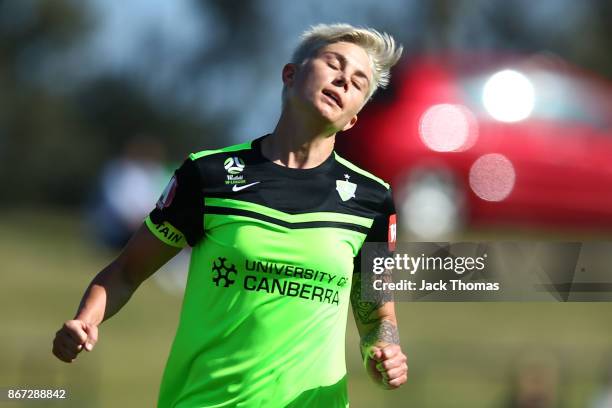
<point x="460" y="354"/>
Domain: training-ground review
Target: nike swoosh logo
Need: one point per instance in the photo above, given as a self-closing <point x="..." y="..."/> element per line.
<point x="236" y="187"/>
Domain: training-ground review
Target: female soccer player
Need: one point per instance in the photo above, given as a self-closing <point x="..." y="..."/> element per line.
<point x="276" y="225"/>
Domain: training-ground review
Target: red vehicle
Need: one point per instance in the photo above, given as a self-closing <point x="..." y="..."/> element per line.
<point x="476" y="140"/>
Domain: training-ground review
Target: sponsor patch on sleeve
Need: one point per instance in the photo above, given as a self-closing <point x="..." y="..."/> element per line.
<point x="168" y="195"/>
<point x="392" y="235"/>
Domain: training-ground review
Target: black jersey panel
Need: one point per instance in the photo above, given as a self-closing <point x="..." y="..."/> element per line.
<point x="183" y="209"/>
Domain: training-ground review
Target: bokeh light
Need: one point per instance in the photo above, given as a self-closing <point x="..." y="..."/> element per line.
<point x="448" y="128"/>
<point x="492" y="177"/>
<point x="509" y="96"/>
<point x="431" y="209"/>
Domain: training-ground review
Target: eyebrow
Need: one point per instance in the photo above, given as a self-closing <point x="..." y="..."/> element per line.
<point x="344" y="62"/>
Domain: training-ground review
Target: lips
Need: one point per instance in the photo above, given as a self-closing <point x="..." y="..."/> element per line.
<point x="334" y="96"/>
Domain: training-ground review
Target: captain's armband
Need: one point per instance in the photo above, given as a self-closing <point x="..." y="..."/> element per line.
<point x="166" y="233"/>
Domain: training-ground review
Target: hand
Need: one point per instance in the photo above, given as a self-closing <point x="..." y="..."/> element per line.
<point x="387" y="366"/>
<point x="72" y="338"/>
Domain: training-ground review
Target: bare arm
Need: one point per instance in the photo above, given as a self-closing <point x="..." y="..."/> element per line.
<point x="380" y="343"/>
<point x="114" y="285"/>
<point x="110" y="290"/>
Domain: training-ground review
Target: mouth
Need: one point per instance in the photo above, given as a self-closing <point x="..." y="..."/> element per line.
<point x="333" y="96"/>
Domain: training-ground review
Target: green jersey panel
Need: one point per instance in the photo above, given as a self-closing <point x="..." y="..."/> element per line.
<point x="264" y="314"/>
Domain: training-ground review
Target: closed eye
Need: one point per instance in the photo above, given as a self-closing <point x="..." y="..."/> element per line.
<point x="356" y="85"/>
<point x="332" y="66"/>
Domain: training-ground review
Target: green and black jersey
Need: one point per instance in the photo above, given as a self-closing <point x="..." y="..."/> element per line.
<point x="265" y="308"/>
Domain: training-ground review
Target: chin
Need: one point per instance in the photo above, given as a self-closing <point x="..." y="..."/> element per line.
<point x="330" y="113"/>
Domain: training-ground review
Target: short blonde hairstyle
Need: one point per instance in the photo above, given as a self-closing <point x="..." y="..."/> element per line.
<point x="380" y="47"/>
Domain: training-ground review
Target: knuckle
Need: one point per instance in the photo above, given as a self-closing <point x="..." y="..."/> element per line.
<point x="392" y="351"/>
<point x="394" y="374"/>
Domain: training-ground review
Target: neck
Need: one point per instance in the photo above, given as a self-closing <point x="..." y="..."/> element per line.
<point x="297" y="143"/>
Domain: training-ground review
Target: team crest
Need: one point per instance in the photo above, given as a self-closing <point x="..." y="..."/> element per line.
<point x="345" y="188"/>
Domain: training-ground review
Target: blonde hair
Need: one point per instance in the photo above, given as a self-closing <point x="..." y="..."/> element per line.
<point x="380" y="47"/>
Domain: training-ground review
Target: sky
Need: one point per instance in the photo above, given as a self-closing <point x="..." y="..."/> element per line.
<point x="124" y="25"/>
<point x="124" y="28"/>
<point x="172" y="29"/>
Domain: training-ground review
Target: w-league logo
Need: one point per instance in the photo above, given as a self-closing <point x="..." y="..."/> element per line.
<point x="233" y="165"/>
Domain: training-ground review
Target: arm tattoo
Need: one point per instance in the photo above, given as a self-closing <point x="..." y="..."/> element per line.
<point x="385" y="332"/>
<point x="364" y="306"/>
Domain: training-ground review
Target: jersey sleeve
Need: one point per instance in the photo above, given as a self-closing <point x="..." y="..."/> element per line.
<point x="383" y="234"/>
<point x="177" y="218"/>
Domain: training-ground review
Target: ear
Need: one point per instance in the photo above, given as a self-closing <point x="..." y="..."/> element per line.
<point x="289" y="71"/>
<point x="350" y="124"/>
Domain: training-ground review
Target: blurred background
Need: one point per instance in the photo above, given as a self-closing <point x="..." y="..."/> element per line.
<point x="497" y="126"/>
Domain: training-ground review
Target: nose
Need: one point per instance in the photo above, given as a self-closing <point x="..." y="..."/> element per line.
<point x="341" y="81"/>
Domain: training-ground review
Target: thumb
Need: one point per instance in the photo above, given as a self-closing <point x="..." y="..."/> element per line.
<point x="92" y="336"/>
<point x="372" y="356"/>
<point x="376" y="353"/>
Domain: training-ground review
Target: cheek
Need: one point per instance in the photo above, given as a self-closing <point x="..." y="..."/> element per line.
<point x="317" y="74"/>
<point x="356" y="103"/>
<point x="307" y="83"/>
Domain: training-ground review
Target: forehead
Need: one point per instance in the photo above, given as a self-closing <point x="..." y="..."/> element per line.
<point x="355" y="56"/>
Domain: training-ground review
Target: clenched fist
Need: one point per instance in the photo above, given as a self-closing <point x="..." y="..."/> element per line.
<point x="72" y="338"/>
<point x="387" y="366"/>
